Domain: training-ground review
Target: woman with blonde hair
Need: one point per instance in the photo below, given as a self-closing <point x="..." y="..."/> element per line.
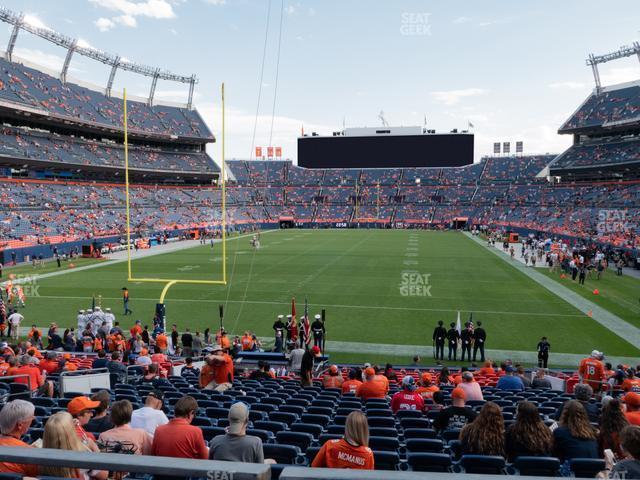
<point x="60" y="433"/>
<point x="575" y="437"/>
<point x="351" y="451"/>
<point x="485" y="435"/>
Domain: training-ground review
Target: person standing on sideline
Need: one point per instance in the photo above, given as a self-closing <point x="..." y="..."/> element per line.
<point x="15" y="319"/>
<point x="317" y="327"/>
<point x="583" y="274"/>
<point x="439" y="336"/>
<point x="466" y="336"/>
<point x="125" y="301"/>
<point x="480" y="337"/>
<point x="453" y="336"/>
<point x="543" y="352"/>
<point x="278" y="326"/>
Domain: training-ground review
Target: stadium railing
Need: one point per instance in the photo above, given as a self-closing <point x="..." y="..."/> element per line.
<point x="301" y="473"/>
<point x="165" y="466"/>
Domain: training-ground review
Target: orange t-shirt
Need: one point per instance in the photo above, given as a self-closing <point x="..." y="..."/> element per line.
<point x="632" y="385"/>
<point x="207" y="375"/>
<point x="332" y="381"/>
<point x="384" y="380"/>
<point x="633" y="417"/>
<point x="179" y="439"/>
<point x="341" y="454"/>
<point x="5" y="467"/>
<point x="50" y="366"/>
<point x="162" y="342"/>
<point x="247" y="343"/>
<point x="427" y="392"/>
<point x="224" y="343"/>
<point x="371" y="389"/>
<point x="135" y="330"/>
<point x="34" y="375"/>
<point x="351" y="386"/>
<point x="592" y="370"/>
<point x="487" y="371"/>
<point x="224" y="372"/>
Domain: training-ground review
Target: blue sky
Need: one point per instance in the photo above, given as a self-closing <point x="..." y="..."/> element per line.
<point x="516" y="70"/>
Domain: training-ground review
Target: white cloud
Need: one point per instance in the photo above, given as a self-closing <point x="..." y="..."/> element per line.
<point x="47" y="60"/>
<point x="173" y="31"/>
<point x="290" y="9"/>
<point x="613" y="76"/>
<point x="461" y="20"/>
<point x="451" y="97"/>
<point x="569" y="84"/>
<point x="215" y="2"/>
<point x="35" y="21"/>
<point x="82" y="43"/>
<point x="311" y="11"/>
<point x="104" y="24"/>
<point x="129" y="10"/>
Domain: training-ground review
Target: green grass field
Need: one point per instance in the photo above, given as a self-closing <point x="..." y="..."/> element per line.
<point x="356" y="275"/>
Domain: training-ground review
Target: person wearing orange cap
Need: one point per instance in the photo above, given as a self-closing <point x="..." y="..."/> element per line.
<point x="591" y="371"/>
<point x="333" y="378"/>
<point x="632" y="402"/>
<point x="247" y="342"/>
<point x="371" y="388"/>
<point x="632" y="382"/>
<point x="426" y="388"/>
<point x="352" y="384"/>
<point x="81" y="409"/>
<point x="306" y="366"/>
<point x="457" y="415"/>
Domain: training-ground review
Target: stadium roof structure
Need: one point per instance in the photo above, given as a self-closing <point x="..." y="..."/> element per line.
<point x="71" y="45"/>
<point x="623" y="52"/>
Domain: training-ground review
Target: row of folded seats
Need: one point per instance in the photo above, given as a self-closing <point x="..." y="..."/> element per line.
<point x="294" y="422"/>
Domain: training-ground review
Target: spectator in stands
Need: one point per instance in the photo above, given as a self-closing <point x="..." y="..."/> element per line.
<point x="487" y="368"/>
<point x="407" y="398"/>
<point x="115" y="366"/>
<point x="457" y="415"/>
<point x="295" y="358"/>
<point x="187" y="343"/>
<point x="189" y="370"/>
<point x="197" y="344"/>
<point x="612" y="422"/>
<point x="583" y="393"/>
<point x="575" y="437"/>
<point x="262" y="372"/>
<point x="306" y="366"/>
<point x="144" y="360"/>
<point x="444" y="378"/>
<point x="632" y="382"/>
<point x="101" y="361"/>
<point x="351" y="385"/>
<point x="217" y="373"/>
<point x="81" y="409"/>
<point x="509" y="381"/>
<point x="540" y="380"/>
<point x="59" y="434"/>
<point x="390" y="373"/>
<point x="332" y="378"/>
<point x="101" y="421"/>
<point x="629" y="468"/>
<point x="236" y="445"/>
<point x="179" y="438"/>
<point x="632" y="402"/>
<point x="485" y="435"/>
<point x="50" y="364"/>
<point x="16" y="417"/>
<point x="528" y="436"/>
<point x="151" y="416"/>
<point x="36" y="381"/>
<point x="520" y="373"/>
<point x="371" y="388"/>
<point x="122" y="432"/>
<point x="426" y="388"/>
<point x="352" y="451"/>
<point x="471" y="388"/>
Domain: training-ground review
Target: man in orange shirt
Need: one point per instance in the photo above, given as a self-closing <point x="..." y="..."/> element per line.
<point x="50" y="364"/>
<point x="15" y="420"/>
<point x="351" y="385"/>
<point x="631" y="383"/>
<point x="136" y="329"/>
<point x="162" y="342"/>
<point x="179" y="438"/>
<point x="247" y="342"/>
<point x="37" y="382"/>
<point x="352" y="451"/>
<point x="591" y="371"/>
<point x="333" y="378"/>
<point x="371" y="388"/>
<point x="217" y="373"/>
<point x="632" y="401"/>
<point x="426" y="389"/>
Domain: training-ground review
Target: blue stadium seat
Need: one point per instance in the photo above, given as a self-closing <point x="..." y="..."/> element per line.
<point x="298" y="410"/>
<point x="265" y="435"/>
<point x="274" y="427"/>
<point x="420" y="433"/>
<point x="311" y="428"/>
<point x="311" y="453"/>
<point x="424" y="445"/>
<point x="325" y="437"/>
<point x="299" y="439"/>
<point x="217" y="412"/>
<point x="537" y="466"/>
<point x="379" y="412"/>
<point x="336" y="429"/>
<point x="449" y="435"/>
<point x="429" y="462"/>
<point x="484" y="464"/>
<point x="409" y="414"/>
<point x="282" y="454"/>
<point x="319" y="410"/>
<point x="210" y="432"/>
<point x="202" y="422"/>
<point x="386" y="460"/>
<point x="264" y="407"/>
<point x="317" y="419"/>
<point x="283" y="417"/>
<point x="383" y="432"/>
<point x="384" y="444"/>
<point x="381" y="422"/>
<point x="323" y="403"/>
<point x="586" y="467"/>
<point x="415" y="423"/>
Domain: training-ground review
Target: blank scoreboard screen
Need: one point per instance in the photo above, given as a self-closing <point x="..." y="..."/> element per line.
<point x="384" y="151"/>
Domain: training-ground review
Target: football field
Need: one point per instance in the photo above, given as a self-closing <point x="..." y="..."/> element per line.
<point x="378" y="287"/>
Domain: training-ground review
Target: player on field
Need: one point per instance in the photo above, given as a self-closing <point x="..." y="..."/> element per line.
<point x="591" y="371"/>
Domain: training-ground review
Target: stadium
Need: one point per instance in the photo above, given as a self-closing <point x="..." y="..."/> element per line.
<point x="396" y="301"/>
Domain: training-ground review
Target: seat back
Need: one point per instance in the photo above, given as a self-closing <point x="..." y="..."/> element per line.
<point x="484" y="464"/>
<point x="429" y="462"/>
<point x="537" y="466"/>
